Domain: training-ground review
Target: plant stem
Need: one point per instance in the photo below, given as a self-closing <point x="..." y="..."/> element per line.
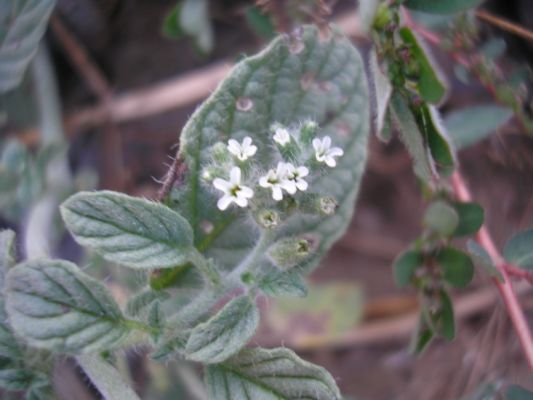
<point x="506" y="288"/>
<point x="106" y="378"/>
<point x="504" y="24"/>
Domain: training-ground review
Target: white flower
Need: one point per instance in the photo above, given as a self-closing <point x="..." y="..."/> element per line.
<point x="242" y="151"/>
<point x="277" y="180"/>
<point x="234" y="192"/>
<point x="325" y="153"/>
<point x="295" y="176"/>
<point x="282" y="136"/>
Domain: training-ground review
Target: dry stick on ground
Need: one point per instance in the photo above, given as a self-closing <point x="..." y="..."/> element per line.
<point x="97" y="83"/>
<point x="504" y="24"/>
<point x="174" y="93"/>
<point x="506" y="287"/>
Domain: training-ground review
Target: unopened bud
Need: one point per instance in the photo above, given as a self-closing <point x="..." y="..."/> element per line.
<point x="220" y="153"/>
<point x="308" y="131"/>
<point x="315" y="204"/>
<point x="289" y="252"/>
<point x="268" y="219"/>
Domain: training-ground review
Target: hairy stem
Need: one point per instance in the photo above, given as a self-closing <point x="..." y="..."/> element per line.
<point x="506" y="288"/>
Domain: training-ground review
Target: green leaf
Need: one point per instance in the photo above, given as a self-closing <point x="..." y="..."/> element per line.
<point x="194" y="20"/>
<point x="141" y="301"/>
<point x="260" y="23"/>
<point x="482" y="258"/>
<point x="519" y="249"/>
<point x="367" y="13"/>
<point x="405" y="266"/>
<point x="171" y="25"/>
<point x="446" y="318"/>
<point x="322" y="80"/>
<point x="130" y="231"/>
<point x="412" y="138"/>
<point x="283" y="283"/>
<point x="441" y="6"/>
<point x="224" y="334"/>
<point x="276" y="374"/>
<point x="52" y="304"/>
<point x="442" y="218"/>
<point x="422" y="336"/>
<point x="440" y="145"/>
<point x="471" y="217"/>
<point x="470" y="125"/>
<point x="168" y="347"/>
<point x="493" y="48"/>
<point x="7" y="253"/>
<point x="515" y="392"/>
<point x="17" y="379"/>
<point x="430" y="82"/>
<point x="23" y="24"/>
<point x="457" y="267"/>
<point x="383" y="91"/>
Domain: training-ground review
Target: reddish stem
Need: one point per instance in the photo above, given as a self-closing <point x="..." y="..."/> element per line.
<point x="506" y="288"/>
<point x="519" y="272"/>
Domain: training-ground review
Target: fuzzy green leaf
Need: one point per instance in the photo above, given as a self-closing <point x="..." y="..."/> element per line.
<point x="224" y="334"/>
<point x="457" y="267"/>
<point x="383" y="91"/>
<point x="447" y="319"/>
<point x="7" y="254"/>
<point x="413" y="139"/>
<point x="141" y="301"/>
<point x="482" y="258"/>
<point x="441" y="217"/>
<point x="470" y="125"/>
<point x="23" y="24"/>
<point x="442" y="6"/>
<point x="14" y="379"/>
<point x="367" y="12"/>
<point x="276" y="374"/>
<point x="405" y="266"/>
<point x="436" y="136"/>
<point x="170" y="346"/>
<point x="287" y="83"/>
<point x="130" y="231"/>
<point x="430" y="81"/>
<point x="519" y="249"/>
<point x="471" y="217"/>
<point x="194" y="20"/>
<point x="52" y="304"/>
<point x="283" y="283"/>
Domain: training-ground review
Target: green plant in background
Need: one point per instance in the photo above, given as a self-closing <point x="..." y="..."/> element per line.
<point x="273" y="161"/>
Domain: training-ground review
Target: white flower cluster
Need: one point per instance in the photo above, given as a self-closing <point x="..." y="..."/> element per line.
<point x="285" y="177"/>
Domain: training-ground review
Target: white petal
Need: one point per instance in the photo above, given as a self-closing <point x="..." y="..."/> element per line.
<point x="224" y="202"/>
<point x="241" y="201"/>
<point x="221" y="184"/>
<point x="317" y="144"/>
<point x="235" y="176"/>
<point x="234" y="147"/>
<point x="246" y="192"/>
<point x="330" y="162"/>
<point x="281" y="170"/>
<point x="276" y="193"/>
<point x="301" y="185"/>
<point x="263" y="182"/>
<point x="326" y="142"/>
<point x="335" y="152"/>
<point x="302" y="171"/>
<point x="289" y="186"/>
<point x="246" y="142"/>
<point x="251" y="150"/>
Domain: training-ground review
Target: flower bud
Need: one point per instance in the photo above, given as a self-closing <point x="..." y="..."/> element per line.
<point x="268" y="219"/>
<point x="308" y="131"/>
<point x="289" y="252"/>
<point x="315" y="204"/>
<point x="220" y="153"/>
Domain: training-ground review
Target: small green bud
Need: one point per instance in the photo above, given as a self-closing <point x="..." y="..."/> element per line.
<point x="220" y="153"/>
<point x="289" y="252"/>
<point x="268" y="219"/>
<point x="247" y="278"/>
<point x="315" y="204"/>
<point x="383" y="17"/>
<point x="308" y="131"/>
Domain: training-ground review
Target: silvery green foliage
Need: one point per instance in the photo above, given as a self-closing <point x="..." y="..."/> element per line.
<point x="292" y="81"/>
<point x="224" y="334"/>
<point x="276" y="374"/>
<point x="130" y="231"/>
<point x="52" y="304"/>
<point x="273" y="163"/>
<point x="23" y="24"/>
